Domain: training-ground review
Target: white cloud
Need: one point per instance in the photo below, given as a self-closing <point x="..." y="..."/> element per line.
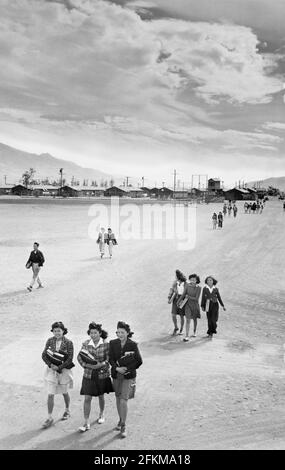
<point x="94" y="79"/>
<point x="274" y="126"/>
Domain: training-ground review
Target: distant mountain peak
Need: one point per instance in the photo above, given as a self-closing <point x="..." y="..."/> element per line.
<point x="14" y="162"/>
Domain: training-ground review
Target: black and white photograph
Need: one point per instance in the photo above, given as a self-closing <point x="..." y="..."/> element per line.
<point x="142" y="217"/>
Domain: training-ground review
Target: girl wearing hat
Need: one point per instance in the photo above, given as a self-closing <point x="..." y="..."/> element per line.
<point x="125" y="358"/>
<point x="192" y="310"/>
<point x="58" y="355"/>
<point x="210" y="304"/>
<point x="94" y="357"/>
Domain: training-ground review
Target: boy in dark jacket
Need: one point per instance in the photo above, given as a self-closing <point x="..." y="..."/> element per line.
<point x="35" y="261"/>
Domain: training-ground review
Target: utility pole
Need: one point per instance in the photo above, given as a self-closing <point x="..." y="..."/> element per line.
<point x="143" y="181"/>
<point x="163" y="183"/>
<point x="5" y="178"/>
<point x="61" y="176"/>
<point x="174" y="180"/>
<point x="127" y="177"/>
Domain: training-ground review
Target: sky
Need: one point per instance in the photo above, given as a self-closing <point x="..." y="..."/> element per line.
<point x="138" y="88"/>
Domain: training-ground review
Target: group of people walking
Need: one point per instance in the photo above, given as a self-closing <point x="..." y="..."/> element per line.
<point x="228" y="208"/>
<point x="106" y="238"/>
<point x="107" y="367"/>
<point x="255" y="207"/>
<point x="184" y="299"/>
<point x="249" y="208"/>
<point x="217" y="220"/>
<point x="36" y="259"/>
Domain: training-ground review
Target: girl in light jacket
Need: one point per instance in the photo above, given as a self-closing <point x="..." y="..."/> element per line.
<point x="174" y="297"/>
<point x="58" y="378"/>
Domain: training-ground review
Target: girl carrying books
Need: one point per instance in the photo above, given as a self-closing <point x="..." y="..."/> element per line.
<point x="58" y="355"/>
<point x="174" y="297"/>
<point x="210" y="304"/>
<point x="125" y="358"/>
<point x="94" y="358"/>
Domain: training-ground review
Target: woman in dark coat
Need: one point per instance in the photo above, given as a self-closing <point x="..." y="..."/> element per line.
<point x="220" y="220"/>
<point x="124" y="358"/>
<point x="174" y="297"/>
<point x="192" y="309"/>
<point x="210" y="304"/>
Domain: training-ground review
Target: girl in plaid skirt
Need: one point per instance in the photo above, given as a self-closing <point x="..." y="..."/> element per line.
<point x="94" y="358"/>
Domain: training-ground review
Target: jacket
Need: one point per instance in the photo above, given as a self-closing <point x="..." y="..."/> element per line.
<point x="36" y="257"/>
<point x="66" y="346"/>
<point x="116" y="352"/>
<point x="213" y="296"/>
<point x="188" y="289"/>
<point x="100" y="354"/>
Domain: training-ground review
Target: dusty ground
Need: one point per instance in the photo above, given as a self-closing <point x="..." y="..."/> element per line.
<point x="227" y="393"/>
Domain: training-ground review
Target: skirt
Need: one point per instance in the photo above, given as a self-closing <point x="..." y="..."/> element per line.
<point x="192" y="310"/>
<point x="175" y="309"/>
<point x="58" y="383"/>
<point x="96" y="387"/>
<point x="124" y="388"/>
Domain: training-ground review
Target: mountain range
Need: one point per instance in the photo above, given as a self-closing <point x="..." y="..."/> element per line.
<point x="14" y="162"/>
<point x="276" y="182"/>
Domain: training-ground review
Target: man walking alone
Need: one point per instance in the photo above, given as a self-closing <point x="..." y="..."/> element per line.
<point x="35" y="261"/>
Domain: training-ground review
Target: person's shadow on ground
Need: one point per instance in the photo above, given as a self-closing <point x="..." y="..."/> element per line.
<point x="13" y="441"/>
<point x="7" y="295"/>
<point x="74" y="441"/>
<point x="173" y="343"/>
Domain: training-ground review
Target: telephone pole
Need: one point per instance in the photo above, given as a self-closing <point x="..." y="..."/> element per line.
<point x="127" y="177"/>
<point x="174" y="180"/>
<point x="61" y="176"/>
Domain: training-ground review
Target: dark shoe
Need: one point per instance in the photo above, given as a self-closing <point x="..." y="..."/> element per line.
<point x="30" y="288"/>
<point x="123" y="431"/>
<point x="186" y="339"/>
<point x="65" y="416"/>
<point x="48" y="423"/>
<point x="119" y="425"/>
<point x="175" y="331"/>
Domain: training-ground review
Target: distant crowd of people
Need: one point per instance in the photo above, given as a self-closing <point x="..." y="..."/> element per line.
<point x="249" y="208"/>
<point x="184" y="299"/>
<point x="255" y="207"/>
